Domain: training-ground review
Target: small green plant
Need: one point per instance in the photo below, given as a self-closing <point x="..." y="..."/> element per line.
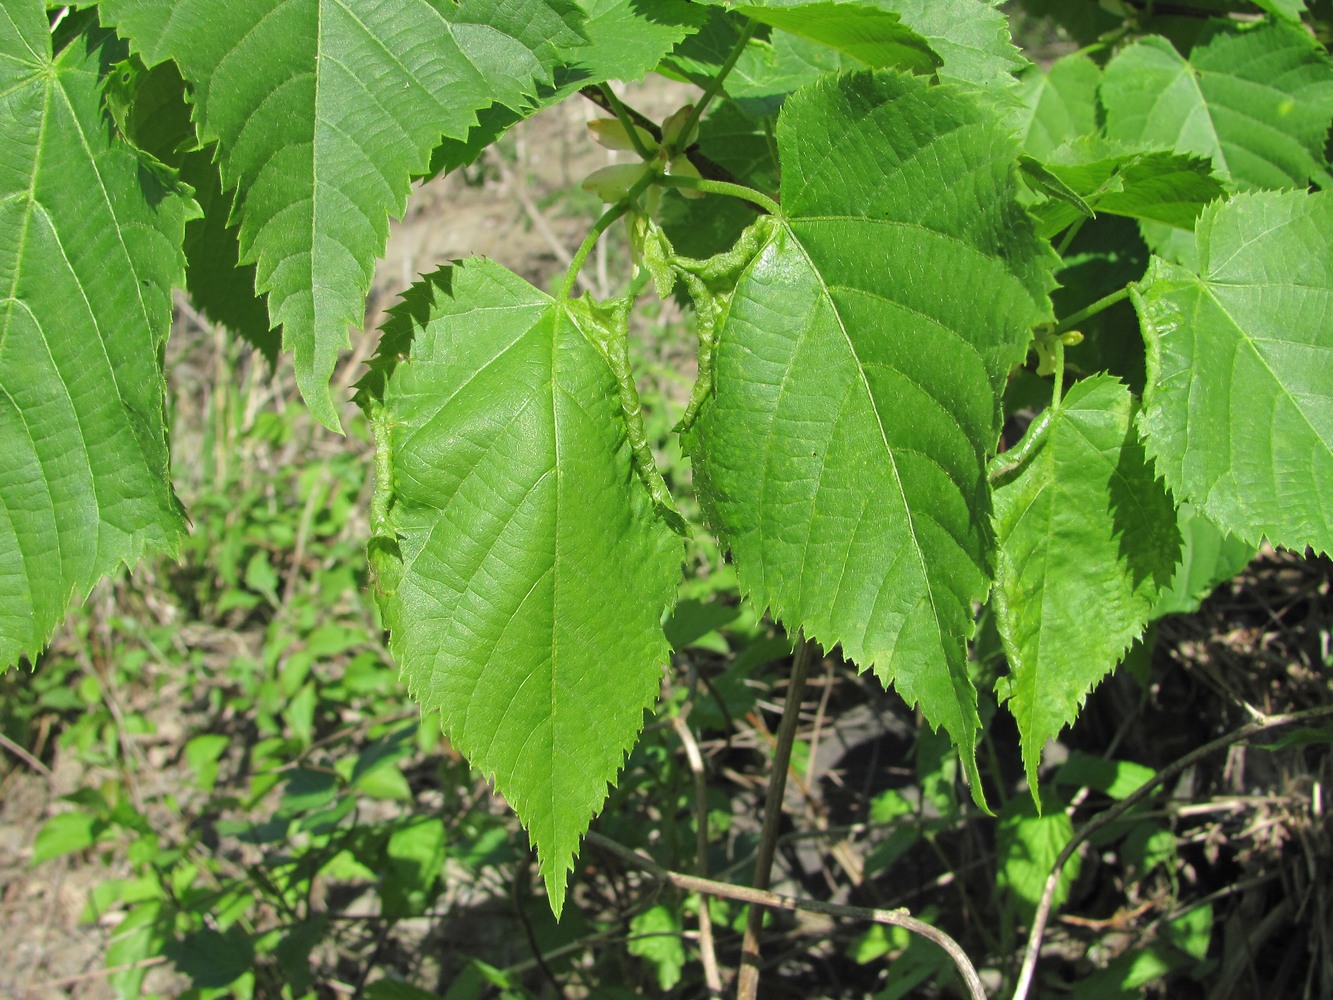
<point x="971" y="333"/>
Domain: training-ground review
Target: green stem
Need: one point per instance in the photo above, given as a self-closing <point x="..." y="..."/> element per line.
<point x="725" y="188"/>
<point x="600" y="226"/>
<point x="1058" y="391"/>
<point x="1102" y="304"/>
<point x="1070" y="233"/>
<point x="625" y="119"/>
<point x="715" y="84"/>
<point x="1007" y="461"/>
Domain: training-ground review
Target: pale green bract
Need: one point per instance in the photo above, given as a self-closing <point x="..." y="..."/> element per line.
<point x="89" y="251"/>
<point x="1238" y="408"/>
<point x="1085" y="531"/>
<point x="522" y="566"/>
<point x="323" y="111"/>
<point x="842" y="453"/>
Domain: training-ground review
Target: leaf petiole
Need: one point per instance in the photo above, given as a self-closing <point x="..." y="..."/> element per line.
<point x="600" y="226"/>
<point x="723" y="188"/>
<point x="1101" y="305"/>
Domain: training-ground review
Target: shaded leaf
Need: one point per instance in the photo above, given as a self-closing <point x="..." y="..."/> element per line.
<point x="1256" y="101"/>
<point x="1238" y="410"/>
<point x="322" y="114"/>
<point x="841" y="455"/>
<point x="90" y="238"/>
<point x="1087" y="539"/>
<point x="522" y="567"/>
<point x="1207" y="558"/>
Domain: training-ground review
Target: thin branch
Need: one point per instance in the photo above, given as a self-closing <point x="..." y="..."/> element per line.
<point x="28" y="759"/>
<point x="777" y="901"/>
<point x="712" y="976"/>
<point x="747" y="984"/>
<point x="1103" y="819"/>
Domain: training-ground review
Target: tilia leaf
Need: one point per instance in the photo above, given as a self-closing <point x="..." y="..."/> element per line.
<point x="1087" y="540"/>
<point x="1256" y="101"/>
<point x="322" y="113"/>
<point x="1238" y="409"/>
<point x="522" y="564"/>
<point x="90" y="247"/>
<point x="841" y="455"/>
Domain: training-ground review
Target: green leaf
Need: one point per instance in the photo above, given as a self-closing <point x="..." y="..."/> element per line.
<point x="90" y="239"/>
<point x="1208" y="558"/>
<point x="522" y="565"/>
<point x="1256" y="101"/>
<point x="1026" y="846"/>
<point x="970" y="37"/>
<point x="626" y="39"/>
<point x="1158" y="187"/>
<point x="1059" y="104"/>
<point x="841" y="455"/>
<point x="871" y="31"/>
<point x="66" y="833"/>
<point x="1087" y="538"/>
<point x="1290" y="9"/>
<point x="322" y="115"/>
<point x="1238" y="409"/>
<point x="655" y="935"/>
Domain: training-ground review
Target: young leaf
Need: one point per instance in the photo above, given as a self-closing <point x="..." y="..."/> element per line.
<point x="1238" y="410"/>
<point x="841" y="456"/>
<point x="1087" y="539"/>
<point x="322" y="115"/>
<point x="1157" y="187"/>
<point x="90" y="247"/>
<point x="1256" y="101"/>
<point x="522" y="567"/>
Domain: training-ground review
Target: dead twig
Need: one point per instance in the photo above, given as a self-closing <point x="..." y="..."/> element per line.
<point x="776" y="901"/>
<point x="1262" y="724"/>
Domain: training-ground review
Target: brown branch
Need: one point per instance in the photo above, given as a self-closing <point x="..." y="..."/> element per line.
<point x="776" y="901"/>
<point x="1261" y="725"/>
<point x="747" y="984"/>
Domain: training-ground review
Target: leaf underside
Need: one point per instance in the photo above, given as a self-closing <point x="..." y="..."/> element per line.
<point x="1238" y="409"/>
<point x="841" y="456"/>
<point x="1087" y="539"/>
<point x="89" y="251"/>
<point x="523" y="570"/>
